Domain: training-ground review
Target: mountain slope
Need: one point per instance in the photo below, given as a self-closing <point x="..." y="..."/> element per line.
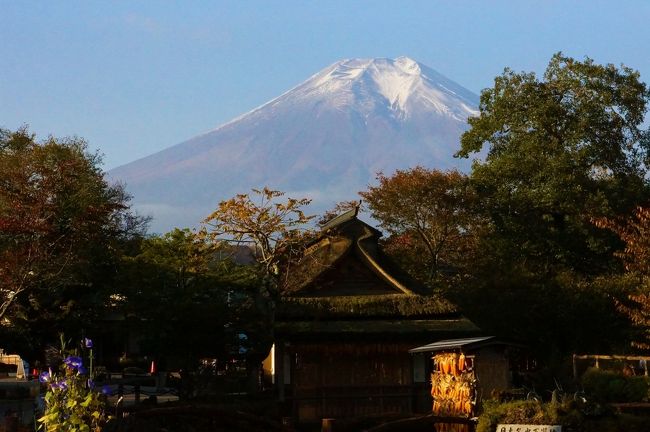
<point x="325" y="138"/>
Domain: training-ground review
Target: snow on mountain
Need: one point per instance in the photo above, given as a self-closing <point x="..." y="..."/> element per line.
<point x="325" y="139"/>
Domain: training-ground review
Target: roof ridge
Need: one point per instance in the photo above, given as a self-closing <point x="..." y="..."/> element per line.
<point x="374" y="265"/>
<point x="343" y="217"/>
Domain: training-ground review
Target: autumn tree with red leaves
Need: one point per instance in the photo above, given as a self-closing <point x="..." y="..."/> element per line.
<point x="60" y="225"/>
<point x="429" y="215"/>
<point x="635" y="232"/>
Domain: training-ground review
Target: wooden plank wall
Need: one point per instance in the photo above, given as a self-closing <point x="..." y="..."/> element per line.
<point x="351" y="380"/>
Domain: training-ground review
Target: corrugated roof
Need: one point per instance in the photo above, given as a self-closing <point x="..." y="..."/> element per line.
<point x="453" y="344"/>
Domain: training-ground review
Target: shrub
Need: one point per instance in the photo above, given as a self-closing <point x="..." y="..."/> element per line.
<point x="608" y="386"/>
<point x="570" y="414"/>
<point x="517" y="412"/>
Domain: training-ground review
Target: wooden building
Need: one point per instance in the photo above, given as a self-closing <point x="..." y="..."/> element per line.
<point x="345" y="324"/>
<point x="493" y="367"/>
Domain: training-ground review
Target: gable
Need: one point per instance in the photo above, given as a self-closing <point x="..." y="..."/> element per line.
<point x="347" y="276"/>
<point x="345" y="259"/>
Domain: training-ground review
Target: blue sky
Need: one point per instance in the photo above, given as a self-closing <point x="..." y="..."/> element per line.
<point x="136" y="77"/>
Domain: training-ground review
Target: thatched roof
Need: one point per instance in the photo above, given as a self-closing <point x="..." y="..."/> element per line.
<point x="344" y="286"/>
<point x="346" y="237"/>
<point x="354" y="307"/>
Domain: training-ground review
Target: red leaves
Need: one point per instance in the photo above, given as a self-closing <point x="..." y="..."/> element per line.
<point x="432" y="208"/>
<point x="54" y="208"/>
<point x="635" y="232"/>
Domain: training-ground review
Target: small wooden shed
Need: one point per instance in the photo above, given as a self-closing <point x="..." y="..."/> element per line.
<point x="486" y="363"/>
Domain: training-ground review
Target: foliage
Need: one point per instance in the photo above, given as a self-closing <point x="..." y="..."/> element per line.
<point x="182" y="292"/>
<point x="561" y="150"/>
<point x="570" y="414"/>
<point x="553" y="316"/>
<point x="517" y="412"/>
<point x="274" y="228"/>
<point x="610" y="386"/>
<point x="635" y="232"/>
<point x="71" y="401"/>
<point x="429" y="214"/>
<point x="61" y="228"/>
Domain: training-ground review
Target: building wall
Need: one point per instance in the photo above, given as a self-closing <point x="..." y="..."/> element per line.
<point x="492" y="370"/>
<point x="343" y="380"/>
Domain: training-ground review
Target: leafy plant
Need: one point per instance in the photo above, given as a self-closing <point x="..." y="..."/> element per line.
<point x="72" y="403"/>
<point x="572" y="415"/>
<point x="609" y="386"/>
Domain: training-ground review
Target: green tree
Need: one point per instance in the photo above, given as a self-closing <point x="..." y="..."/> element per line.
<point x="175" y="292"/>
<point x="431" y="218"/>
<point x="560" y="150"/>
<point x="61" y="229"/>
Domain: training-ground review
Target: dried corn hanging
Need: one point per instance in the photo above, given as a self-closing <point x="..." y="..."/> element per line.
<point x="452" y="386"/>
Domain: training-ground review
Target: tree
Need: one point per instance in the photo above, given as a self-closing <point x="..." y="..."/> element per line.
<point x="61" y="226"/>
<point x="635" y="232"/>
<point x="175" y="292"/>
<point x="561" y="150"/>
<point x="429" y="215"/>
<point x="274" y="229"/>
<point x="276" y="232"/>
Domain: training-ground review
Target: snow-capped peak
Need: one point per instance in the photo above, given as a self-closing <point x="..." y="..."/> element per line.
<point x="403" y="84"/>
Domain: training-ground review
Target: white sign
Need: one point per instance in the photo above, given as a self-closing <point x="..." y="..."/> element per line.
<point x="528" y="428"/>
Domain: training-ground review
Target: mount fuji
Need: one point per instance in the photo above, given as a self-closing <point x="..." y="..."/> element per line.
<point x="324" y="139"/>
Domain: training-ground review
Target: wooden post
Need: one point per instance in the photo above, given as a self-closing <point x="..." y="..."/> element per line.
<point x="575" y="368"/>
<point x="279" y="369"/>
<point x="327" y="425"/>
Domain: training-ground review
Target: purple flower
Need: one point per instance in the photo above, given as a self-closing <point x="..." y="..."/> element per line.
<point x="82" y="370"/>
<point x="44" y="377"/>
<point x="88" y="343"/>
<point x="61" y="385"/>
<point x="106" y="390"/>
<point x="73" y="362"/>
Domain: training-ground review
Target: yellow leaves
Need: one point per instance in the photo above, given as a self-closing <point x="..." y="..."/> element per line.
<point x="87" y="401"/>
<point x="260" y="219"/>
